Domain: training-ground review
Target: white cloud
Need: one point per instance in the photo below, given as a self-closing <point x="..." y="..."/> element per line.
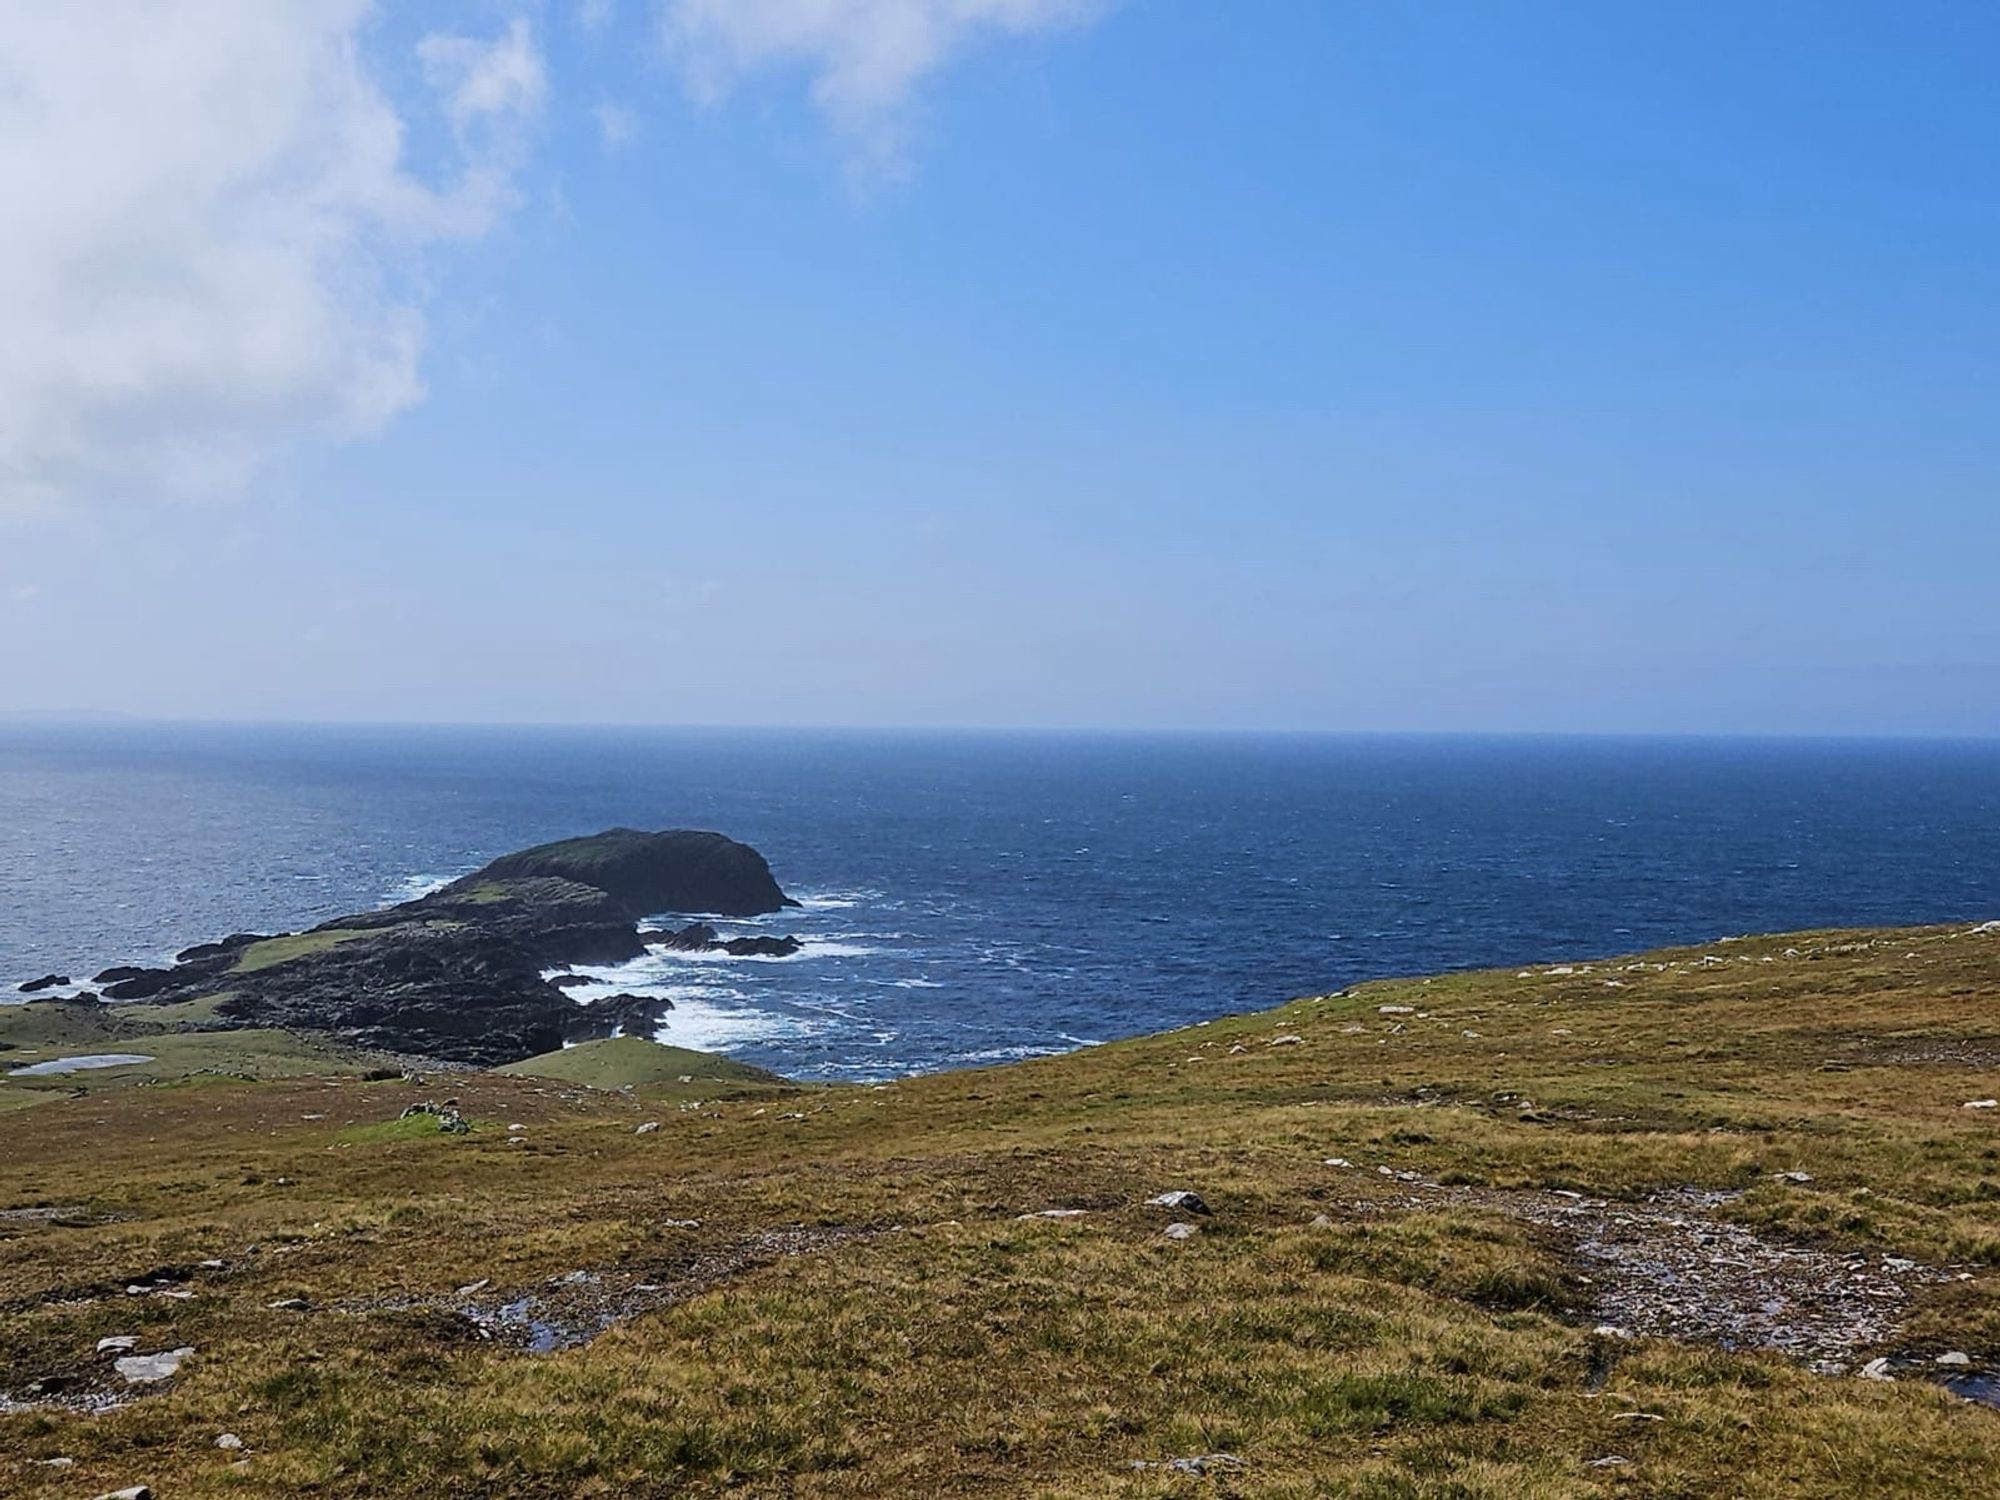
<point x="617" y="125"/>
<point x="866" y="58"/>
<point x="214" y="236"/>
<point x="595" y="15"/>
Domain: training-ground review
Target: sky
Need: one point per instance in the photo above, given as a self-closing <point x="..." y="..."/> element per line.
<point x="1473" y="365"/>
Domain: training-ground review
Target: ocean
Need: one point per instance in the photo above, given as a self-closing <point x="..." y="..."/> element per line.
<point x="974" y="898"/>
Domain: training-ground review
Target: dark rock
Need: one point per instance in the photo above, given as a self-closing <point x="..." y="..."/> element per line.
<point x="46" y="982"/>
<point x="121" y="972"/>
<point x="571" y="981"/>
<point x="234" y="943"/>
<point x="696" y="937"/>
<point x="138" y="984"/>
<point x="762" y="947"/>
<point x="699" y="937"/>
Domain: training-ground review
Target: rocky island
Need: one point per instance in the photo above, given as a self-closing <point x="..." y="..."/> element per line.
<point x="457" y="975"/>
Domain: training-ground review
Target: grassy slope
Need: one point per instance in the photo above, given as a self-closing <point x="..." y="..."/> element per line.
<point x="634" y="1062"/>
<point x="959" y="1350"/>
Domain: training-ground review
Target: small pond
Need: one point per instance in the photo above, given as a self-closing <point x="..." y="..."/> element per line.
<point x="77" y="1064"/>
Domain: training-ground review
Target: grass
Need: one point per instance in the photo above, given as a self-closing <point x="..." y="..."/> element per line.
<point x="953" y="1348"/>
<point x="634" y="1063"/>
<point x="271" y="952"/>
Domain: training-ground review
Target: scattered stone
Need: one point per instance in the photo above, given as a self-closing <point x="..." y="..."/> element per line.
<point x="1610" y="1461"/>
<point x="449" y="1120"/>
<point x="1198" y="1466"/>
<point x="1611" y="1331"/>
<point x="123" y="1343"/>
<point x="1286" y="1039"/>
<point x="1181" y="1231"/>
<point x="136" y="1492"/>
<point x="1638" y="1416"/>
<point x="211" y="1265"/>
<point x="289" y="1304"/>
<point x="1338" y="1161"/>
<point x="1395" y="1010"/>
<point x="1982" y="1104"/>
<point x="1053" y="1213"/>
<point x="142" y="1369"/>
<point x="1798" y="1177"/>
<point x="229" y="1442"/>
<point x="648" y="1128"/>
<point x="1876" y="1369"/>
<point x="516" y="1129"/>
<point x="1182" y="1199"/>
<point x="680" y="1223"/>
<point x="1321" y="1221"/>
<point x="475" y="1286"/>
<point x="59" y="1463"/>
<point x="1957" y="1359"/>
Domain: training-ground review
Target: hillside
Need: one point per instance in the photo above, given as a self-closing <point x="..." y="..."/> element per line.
<point x="1635" y="1227"/>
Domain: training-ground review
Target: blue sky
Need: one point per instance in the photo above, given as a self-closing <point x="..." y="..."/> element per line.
<point x="1316" y="365"/>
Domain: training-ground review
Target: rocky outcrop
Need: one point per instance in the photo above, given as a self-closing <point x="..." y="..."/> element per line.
<point x="457" y="975"/>
<point x="682" y="870"/>
<point x="699" y="937"/>
<point x="46" y="982"/>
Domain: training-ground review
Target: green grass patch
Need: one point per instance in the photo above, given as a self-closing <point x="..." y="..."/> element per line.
<point x="281" y="950"/>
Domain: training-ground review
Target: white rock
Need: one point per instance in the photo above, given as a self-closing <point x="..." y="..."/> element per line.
<point x="1982" y="1104"/>
<point x="1958" y="1359"/>
<point x="229" y="1442"/>
<point x="475" y="1286"/>
<point x="141" y="1369"/>
<point x="1338" y="1161"/>
<point x="648" y="1128"/>
<point x="1286" y="1040"/>
<point x="124" y="1343"/>
<point x="1611" y="1331"/>
<point x="1395" y="1010"/>
<point x="1054" y="1213"/>
<point x="1181" y="1231"/>
<point x="1179" y="1198"/>
<point x="1799" y="1177"/>
<point x="1876" y="1369"/>
<point x="136" y="1492"/>
<point x="1610" y="1461"/>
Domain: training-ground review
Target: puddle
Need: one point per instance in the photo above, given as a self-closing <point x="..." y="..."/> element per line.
<point x="57" y="1065"/>
<point x="1983" y="1388"/>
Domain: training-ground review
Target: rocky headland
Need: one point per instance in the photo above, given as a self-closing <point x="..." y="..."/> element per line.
<point x="457" y="975"/>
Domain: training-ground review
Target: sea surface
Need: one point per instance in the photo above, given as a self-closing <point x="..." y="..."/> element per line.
<point x="970" y="899"/>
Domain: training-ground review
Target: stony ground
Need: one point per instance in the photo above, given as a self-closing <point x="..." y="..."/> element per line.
<point x="1723" y="1221"/>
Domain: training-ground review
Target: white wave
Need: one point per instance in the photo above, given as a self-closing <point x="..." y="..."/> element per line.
<point x="913" y="984"/>
<point x="415" y="888"/>
<point x="710" y="1027"/>
<point x="835" y="900"/>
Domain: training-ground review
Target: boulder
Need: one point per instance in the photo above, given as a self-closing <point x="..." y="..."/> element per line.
<point x="696" y="937"/>
<point x="46" y="982"/>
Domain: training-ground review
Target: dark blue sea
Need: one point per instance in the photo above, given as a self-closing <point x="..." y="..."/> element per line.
<point x="976" y="898"/>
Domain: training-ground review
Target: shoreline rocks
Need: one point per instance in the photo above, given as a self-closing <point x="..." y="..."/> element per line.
<point x="457" y="975"/>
